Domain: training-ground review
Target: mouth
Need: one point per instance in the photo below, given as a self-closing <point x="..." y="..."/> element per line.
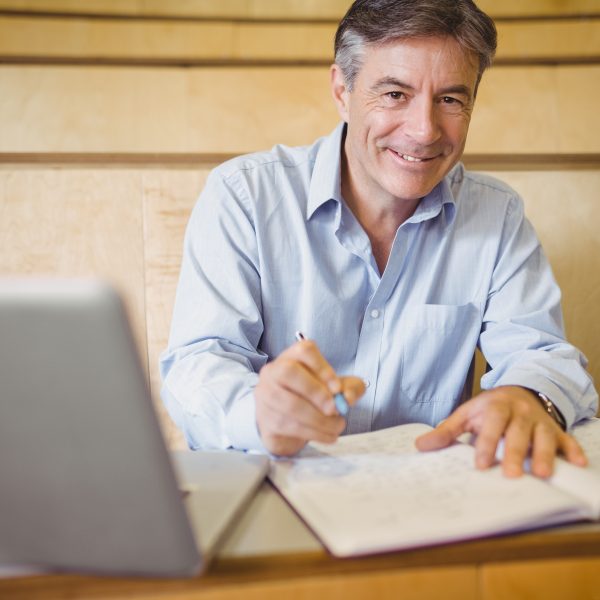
<point x="412" y="159"/>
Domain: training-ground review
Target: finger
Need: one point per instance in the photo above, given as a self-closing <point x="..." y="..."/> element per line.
<point x="446" y="432"/>
<point x="307" y="352"/>
<point x="490" y="433"/>
<point x="517" y="440"/>
<point x="571" y="449"/>
<point x="545" y="443"/>
<point x="285" y="374"/>
<point x="284" y="412"/>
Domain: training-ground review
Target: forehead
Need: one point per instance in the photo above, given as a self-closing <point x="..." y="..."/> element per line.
<point x="441" y="60"/>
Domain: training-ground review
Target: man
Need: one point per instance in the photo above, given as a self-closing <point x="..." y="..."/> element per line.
<point x="393" y="260"/>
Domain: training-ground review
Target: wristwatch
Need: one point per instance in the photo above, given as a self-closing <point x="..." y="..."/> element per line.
<point x="550" y="408"/>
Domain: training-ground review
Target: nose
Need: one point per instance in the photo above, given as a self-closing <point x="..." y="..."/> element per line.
<point x="421" y="122"/>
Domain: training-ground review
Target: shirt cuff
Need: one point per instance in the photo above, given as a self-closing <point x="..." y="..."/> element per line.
<point x="240" y="424"/>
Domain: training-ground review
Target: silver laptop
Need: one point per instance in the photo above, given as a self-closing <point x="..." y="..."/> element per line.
<point x="86" y="482"/>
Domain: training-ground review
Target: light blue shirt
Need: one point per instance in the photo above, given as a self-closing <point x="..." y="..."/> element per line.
<point x="272" y="248"/>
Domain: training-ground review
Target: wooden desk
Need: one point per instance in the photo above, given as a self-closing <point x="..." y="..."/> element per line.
<point x="270" y="555"/>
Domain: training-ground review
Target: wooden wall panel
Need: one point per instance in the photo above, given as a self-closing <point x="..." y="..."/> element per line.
<point x="573" y="38"/>
<point x="75" y="223"/>
<point x="516" y="111"/>
<point x="68" y="109"/>
<point x="564" y="208"/>
<point x="81" y="39"/>
<point x="129" y="39"/>
<point x="235" y="110"/>
<point x="579" y="128"/>
<point x="91" y="38"/>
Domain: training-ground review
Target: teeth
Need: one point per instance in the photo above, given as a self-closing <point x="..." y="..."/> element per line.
<point x="410" y="158"/>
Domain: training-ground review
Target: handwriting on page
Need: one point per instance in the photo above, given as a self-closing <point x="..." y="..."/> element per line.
<point x="380" y="491"/>
<point x="394" y="441"/>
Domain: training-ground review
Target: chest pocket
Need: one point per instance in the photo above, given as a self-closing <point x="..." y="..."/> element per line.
<point x="437" y="350"/>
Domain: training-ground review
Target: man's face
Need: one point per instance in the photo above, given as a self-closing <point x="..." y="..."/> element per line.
<point x="408" y="117"/>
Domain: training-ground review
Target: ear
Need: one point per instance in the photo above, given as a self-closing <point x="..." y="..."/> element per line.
<point x="339" y="91"/>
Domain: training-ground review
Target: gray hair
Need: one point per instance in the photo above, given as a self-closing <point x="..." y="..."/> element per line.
<point x="377" y="22"/>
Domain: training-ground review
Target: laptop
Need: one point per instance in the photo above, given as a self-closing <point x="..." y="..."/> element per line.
<point x="87" y="483"/>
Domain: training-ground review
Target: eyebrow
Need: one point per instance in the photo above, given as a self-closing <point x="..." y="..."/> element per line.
<point x="392" y="81"/>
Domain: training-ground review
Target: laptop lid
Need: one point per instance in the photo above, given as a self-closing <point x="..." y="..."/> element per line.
<point x="87" y="482"/>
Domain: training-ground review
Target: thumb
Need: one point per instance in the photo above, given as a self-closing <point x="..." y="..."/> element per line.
<point x="352" y="388"/>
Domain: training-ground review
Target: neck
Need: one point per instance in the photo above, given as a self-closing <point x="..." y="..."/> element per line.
<point x="379" y="214"/>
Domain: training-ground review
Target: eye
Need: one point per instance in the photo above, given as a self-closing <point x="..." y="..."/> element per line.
<point x="450" y="100"/>
<point x="395" y="95"/>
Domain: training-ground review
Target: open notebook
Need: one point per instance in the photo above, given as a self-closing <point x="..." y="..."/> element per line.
<point x="87" y="482"/>
<point x="374" y="492"/>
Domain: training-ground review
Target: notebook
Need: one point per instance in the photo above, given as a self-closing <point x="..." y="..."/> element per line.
<point x="374" y="492"/>
<point x="88" y="484"/>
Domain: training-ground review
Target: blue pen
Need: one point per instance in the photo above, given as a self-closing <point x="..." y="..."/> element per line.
<point x="340" y="402"/>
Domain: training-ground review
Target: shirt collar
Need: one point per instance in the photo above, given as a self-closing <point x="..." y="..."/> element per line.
<point x="326" y="183"/>
<point x="440" y="199"/>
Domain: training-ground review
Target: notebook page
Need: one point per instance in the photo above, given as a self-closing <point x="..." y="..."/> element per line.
<point x="393" y="440"/>
<point x="360" y="503"/>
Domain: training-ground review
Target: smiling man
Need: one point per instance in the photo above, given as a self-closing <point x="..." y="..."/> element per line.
<point x="394" y="261"/>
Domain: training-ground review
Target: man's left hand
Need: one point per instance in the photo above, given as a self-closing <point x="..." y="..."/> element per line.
<point x="512" y="413"/>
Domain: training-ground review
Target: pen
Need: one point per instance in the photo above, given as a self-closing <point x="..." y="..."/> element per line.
<point x="340" y="402"/>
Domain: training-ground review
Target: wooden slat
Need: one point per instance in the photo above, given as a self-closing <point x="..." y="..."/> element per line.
<point x="30" y="39"/>
<point x="238" y="110"/>
<point x="548" y="39"/>
<point x="281" y="10"/>
<point x="155" y="40"/>
<point x="240" y="9"/>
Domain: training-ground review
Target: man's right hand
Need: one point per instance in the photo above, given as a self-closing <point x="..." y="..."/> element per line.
<point x="294" y="399"/>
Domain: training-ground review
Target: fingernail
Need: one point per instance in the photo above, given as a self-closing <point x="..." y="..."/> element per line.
<point x="512" y="470"/>
<point x="481" y="462"/>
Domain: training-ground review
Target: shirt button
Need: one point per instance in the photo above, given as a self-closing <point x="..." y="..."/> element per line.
<point x="366" y="382"/>
<point x="374" y="313"/>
